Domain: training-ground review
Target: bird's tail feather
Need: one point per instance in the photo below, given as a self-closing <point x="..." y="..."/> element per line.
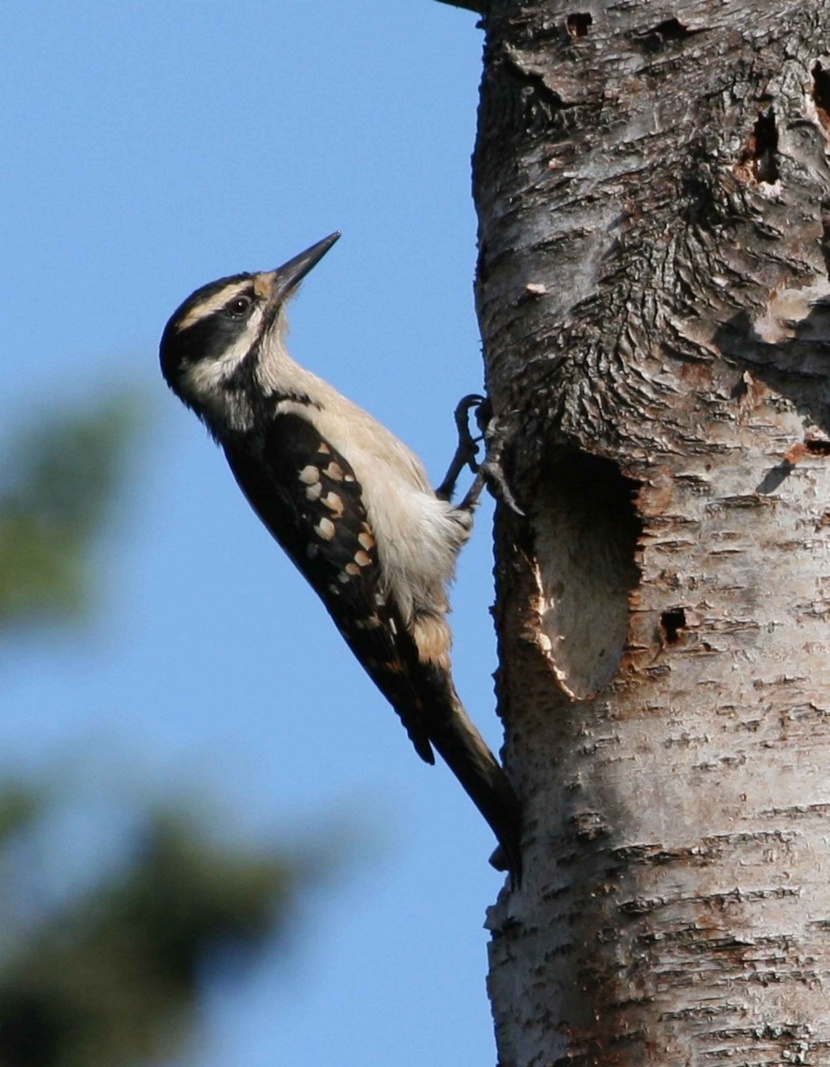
<point x="463" y="749"/>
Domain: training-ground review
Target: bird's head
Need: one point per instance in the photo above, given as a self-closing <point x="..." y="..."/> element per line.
<point x="214" y="342"/>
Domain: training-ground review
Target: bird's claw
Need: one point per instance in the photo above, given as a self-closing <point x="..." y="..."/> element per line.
<point x="490" y="471"/>
<point x="466" y="454"/>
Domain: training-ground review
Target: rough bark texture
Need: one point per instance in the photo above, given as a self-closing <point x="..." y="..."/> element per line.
<point x="651" y="181"/>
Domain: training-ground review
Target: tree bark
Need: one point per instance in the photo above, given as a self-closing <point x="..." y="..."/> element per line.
<point x="652" y="183"/>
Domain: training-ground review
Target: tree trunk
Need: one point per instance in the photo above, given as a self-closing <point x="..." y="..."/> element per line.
<point x="652" y="288"/>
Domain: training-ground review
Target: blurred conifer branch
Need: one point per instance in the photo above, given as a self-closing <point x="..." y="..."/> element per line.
<point x="113" y="975"/>
<point x="57" y="483"/>
<point x="109" y="974"/>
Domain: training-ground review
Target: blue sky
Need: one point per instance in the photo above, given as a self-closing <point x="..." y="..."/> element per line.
<point x="149" y="148"/>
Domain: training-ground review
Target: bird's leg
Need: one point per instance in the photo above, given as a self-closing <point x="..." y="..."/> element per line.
<point x="466" y="452"/>
<point x="491" y="472"/>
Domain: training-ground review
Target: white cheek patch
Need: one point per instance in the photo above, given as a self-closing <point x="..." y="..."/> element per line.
<point x="203" y="380"/>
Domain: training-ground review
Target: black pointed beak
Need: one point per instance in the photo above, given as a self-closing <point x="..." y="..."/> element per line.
<point x="290" y="274"/>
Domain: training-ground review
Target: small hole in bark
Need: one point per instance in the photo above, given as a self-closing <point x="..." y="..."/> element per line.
<point x="759" y="159"/>
<point x="670" y="31"/>
<point x="671" y="623"/>
<point x="817" y="447"/>
<point x="578" y="23"/>
<point x="821" y="94"/>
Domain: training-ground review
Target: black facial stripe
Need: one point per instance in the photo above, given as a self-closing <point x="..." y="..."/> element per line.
<point x="205" y="337"/>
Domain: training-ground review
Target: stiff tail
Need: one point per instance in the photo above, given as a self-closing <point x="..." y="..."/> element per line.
<point x="463" y="749"/>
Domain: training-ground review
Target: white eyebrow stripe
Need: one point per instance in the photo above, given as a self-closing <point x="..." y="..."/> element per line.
<point x="213" y="303"/>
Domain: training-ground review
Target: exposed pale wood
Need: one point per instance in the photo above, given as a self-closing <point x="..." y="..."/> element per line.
<point x="652" y="183"/>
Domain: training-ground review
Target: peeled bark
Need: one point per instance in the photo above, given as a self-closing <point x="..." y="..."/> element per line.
<point x="652" y="182"/>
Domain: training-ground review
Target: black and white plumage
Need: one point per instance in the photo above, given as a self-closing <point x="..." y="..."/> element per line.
<point x="349" y="503"/>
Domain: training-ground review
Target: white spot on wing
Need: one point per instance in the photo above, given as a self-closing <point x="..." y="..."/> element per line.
<point x="334" y="503"/>
<point x="325" y="529"/>
<point x="334" y="471"/>
<point x="309" y="475"/>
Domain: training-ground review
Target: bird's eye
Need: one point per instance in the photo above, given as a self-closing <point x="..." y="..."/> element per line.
<point x="239" y="305"/>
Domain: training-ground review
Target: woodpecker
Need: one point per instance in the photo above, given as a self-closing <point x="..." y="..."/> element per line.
<point x="350" y="504"/>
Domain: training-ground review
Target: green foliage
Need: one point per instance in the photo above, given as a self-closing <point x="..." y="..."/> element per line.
<point x="59" y="479"/>
<point x="112" y="976"/>
<point x="19" y="806"/>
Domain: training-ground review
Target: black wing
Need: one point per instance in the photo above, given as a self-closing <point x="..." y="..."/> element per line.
<point x="307" y="496"/>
